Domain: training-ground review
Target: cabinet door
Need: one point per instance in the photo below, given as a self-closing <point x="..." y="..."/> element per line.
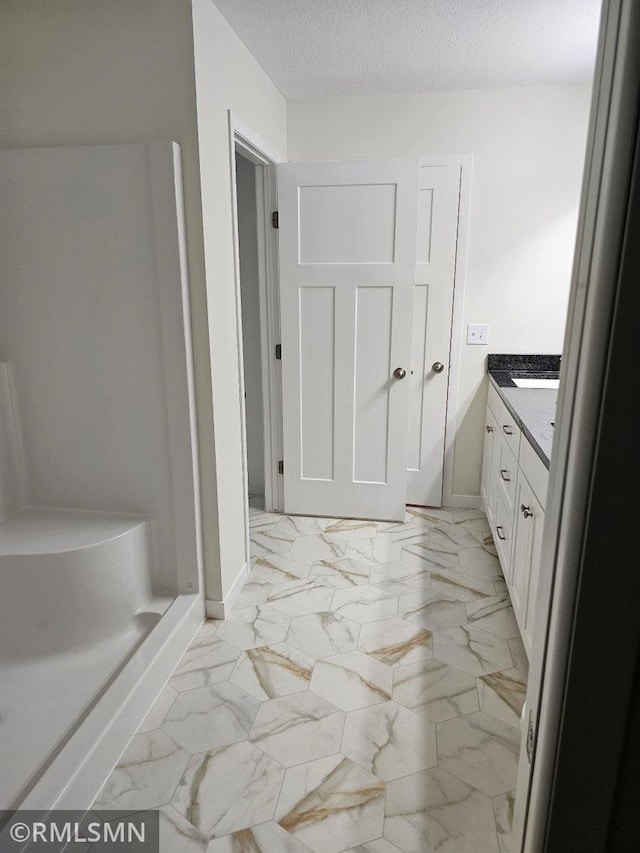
<point x="537" y="520"/>
<point x="487" y="464"/>
<point x="527" y="536"/>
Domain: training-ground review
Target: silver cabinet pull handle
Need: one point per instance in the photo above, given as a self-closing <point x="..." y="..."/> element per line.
<point x="399" y="372"/>
<point x="526" y="511"/>
<point x="506" y="429"/>
<point x="500" y="532"/>
<point x="503" y="472"/>
<point x="489" y="428"/>
<point x="437" y="367"/>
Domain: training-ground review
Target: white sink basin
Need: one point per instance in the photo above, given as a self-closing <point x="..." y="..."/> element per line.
<point x="537" y="383"/>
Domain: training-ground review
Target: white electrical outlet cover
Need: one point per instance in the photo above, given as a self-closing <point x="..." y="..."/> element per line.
<point x="478" y="334"/>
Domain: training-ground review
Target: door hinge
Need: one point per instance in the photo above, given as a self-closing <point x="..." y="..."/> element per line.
<point x="274" y="219"/>
<point x="281" y="467"/>
<point x="530" y="737"/>
<point x="279" y="351"/>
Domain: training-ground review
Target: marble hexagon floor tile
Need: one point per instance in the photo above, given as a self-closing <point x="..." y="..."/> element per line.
<point x="502" y="694"/>
<point x="297" y="598"/>
<point x="229" y="789"/>
<point x="146" y="774"/>
<point x="480" y="750"/>
<point x="256" y="590"/>
<point x="349" y="528"/>
<point x="400" y="578"/>
<point x="331" y="804"/>
<point x="323" y="634"/>
<point x="432" y="609"/>
<point x="472" y="650"/>
<point x="426" y="555"/>
<point x="389" y="741"/>
<point x="430" y="516"/>
<point x="405" y="534"/>
<point x="495" y="615"/>
<point x="452" y="537"/>
<point x="435" y="690"/>
<point x="269" y="541"/>
<point x="159" y="709"/>
<point x="347" y="698"/>
<point x="365" y="604"/>
<point x="504" y="807"/>
<point x="341" y="573"/>
<point x="380" y="845"/>
<point x="298" y="728"/>
<point x="280" y="568"/>
<point x="480" y="561"/>
<point x="177" y="835"/>
<point x="259" y="520"/>
<point x="208" y="660"/>
<point x="264" y="838"/>
<point x="374" y="550"/>
<point x="294" y="526"/>
<point x="352" y="680"/>
<point x="320" y="547"/>
<point x="462" y="584"/>
<point x="272" y="671"/>
<point x="210" y="717"/>
<point x="434" y="810"/>
<point x="250" y="627"/>
<point x="396" y="642"/>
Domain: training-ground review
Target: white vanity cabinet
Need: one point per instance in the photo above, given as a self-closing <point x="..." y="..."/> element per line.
<point x="513" y="490"/>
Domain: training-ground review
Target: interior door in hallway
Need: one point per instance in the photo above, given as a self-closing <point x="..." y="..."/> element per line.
<point x="435" y="269"/>
<point x="347" y="271"/>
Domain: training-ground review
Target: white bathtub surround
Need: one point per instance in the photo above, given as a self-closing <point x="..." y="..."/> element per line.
<point x="98" y="601"/>
<point x="79" y="576"/>
<point x="373" y="733"/>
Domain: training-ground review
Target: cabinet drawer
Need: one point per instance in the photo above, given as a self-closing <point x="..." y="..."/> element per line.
<point x="506" y="421"/>
<point x="502" y="531"/>
<point x="507" y="473"/>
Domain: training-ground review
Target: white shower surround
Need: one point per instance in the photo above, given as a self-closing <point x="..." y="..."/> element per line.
<point x="93" y="236"/>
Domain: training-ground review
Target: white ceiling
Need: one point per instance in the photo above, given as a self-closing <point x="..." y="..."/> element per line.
<point x="323" y="48"/>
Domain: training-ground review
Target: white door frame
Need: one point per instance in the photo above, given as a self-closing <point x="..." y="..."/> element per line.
<point x="465" y="161"/>
<point x="244" y="140"/>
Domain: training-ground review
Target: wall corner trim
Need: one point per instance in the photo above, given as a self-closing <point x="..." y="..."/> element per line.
<point x="220" y="609"/>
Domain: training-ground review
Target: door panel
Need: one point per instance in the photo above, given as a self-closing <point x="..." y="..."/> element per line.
<point x="317" y="369"/>
<point x="347" y="269"/>
<point x="437" y="240"/>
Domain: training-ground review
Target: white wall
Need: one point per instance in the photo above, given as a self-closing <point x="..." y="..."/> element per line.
<point x="528" y="147"/>
<point x="249" y="288"/>
<point x="227" y="78"/>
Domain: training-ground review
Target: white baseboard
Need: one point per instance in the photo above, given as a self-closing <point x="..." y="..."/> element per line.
<point x="466" y="501"/>
<point x="218" y="609"/>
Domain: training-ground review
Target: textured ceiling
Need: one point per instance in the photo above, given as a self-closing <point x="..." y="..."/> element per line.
<point x="316" y="48"/>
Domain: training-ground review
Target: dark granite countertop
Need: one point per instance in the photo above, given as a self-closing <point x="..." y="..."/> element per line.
<point x="534" y="409"/>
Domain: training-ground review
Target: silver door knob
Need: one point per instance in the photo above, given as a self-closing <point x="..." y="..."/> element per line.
<point x="437" y="367"/>
<point x="399" y="372"/>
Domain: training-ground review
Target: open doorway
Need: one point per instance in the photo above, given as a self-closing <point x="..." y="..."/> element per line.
<point x="253" y="183"/>
<point x="251" y="332"/>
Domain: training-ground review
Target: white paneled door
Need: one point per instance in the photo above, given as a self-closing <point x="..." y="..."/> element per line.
<point x="433" y="306"/>
<point x="347" y="272"/>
